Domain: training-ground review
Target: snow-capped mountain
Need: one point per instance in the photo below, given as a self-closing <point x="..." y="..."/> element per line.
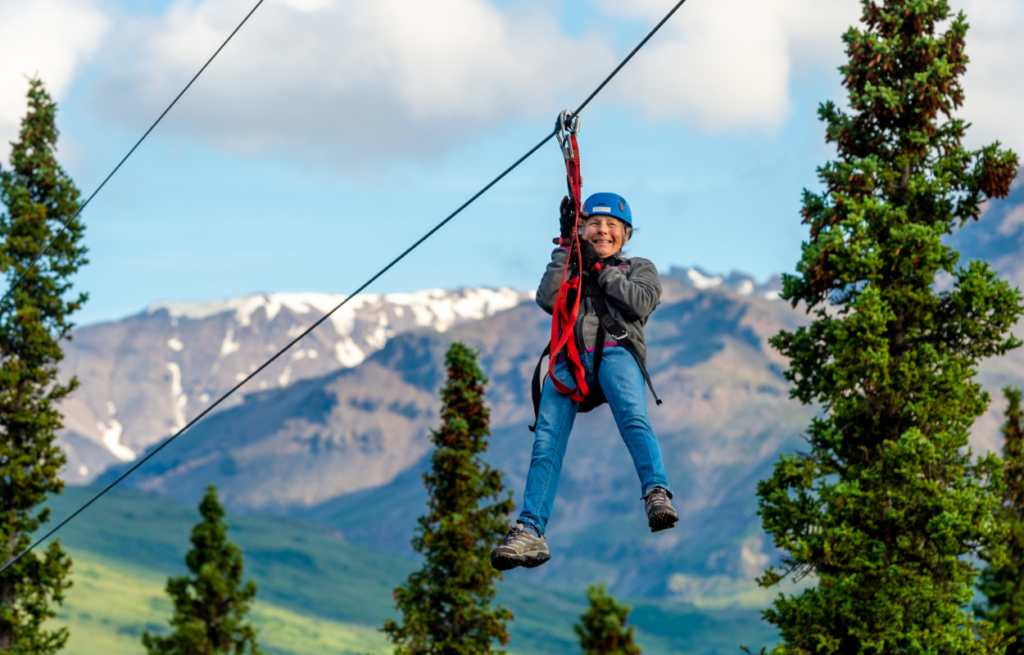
<point x="741" y="283"/>
<point x="145" y="377"/>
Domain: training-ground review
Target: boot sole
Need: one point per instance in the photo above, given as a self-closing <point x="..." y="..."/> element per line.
<point x="659" y="521"/>
<point x="503" y="562"/>
<point x="532" y="562"/>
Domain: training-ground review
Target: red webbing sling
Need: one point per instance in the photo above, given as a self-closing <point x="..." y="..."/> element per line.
<point x="563" y="320"/>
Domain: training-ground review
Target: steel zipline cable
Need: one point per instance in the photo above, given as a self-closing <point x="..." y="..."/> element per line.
<point x="359" y="290"/>
<point x="64" y="226"/>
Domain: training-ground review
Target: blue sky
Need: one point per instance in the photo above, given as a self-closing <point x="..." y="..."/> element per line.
<point x="326" y="139"/>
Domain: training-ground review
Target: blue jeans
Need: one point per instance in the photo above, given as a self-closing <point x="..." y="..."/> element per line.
<point x="623" y="386"/>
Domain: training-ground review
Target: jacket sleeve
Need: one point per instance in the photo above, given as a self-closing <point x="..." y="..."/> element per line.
<point x="636" y="293"/>
<point x="547" y="292"/>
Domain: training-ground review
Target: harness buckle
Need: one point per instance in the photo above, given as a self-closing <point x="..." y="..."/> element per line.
<point x="620" y="337"/>
<point x="567" y="125"/>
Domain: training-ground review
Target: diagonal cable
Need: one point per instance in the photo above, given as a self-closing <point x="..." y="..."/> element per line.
<point x="64" y="226"/>
<point x="323" y="318"/>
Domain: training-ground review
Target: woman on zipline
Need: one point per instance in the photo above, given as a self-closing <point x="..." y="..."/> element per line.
<point x="619" y="294"/>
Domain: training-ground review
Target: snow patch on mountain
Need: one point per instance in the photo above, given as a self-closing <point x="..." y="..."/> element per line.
<point x="435" y="308"/>
<point x="741" y="283"/>
<point x="348" y="353"/>
<point x="178" y="398"/>
<point x="285" y="377"/>
<point x="701" y="281"/>
<point x="229" y="345"/>
<point x="112" y="440"/>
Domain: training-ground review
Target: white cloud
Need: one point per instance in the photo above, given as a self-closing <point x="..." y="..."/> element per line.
<point x="994" y="83"/>
<point x="358" y="82"/>
<point x="728" y="64"/>
<point x="349" y="81"/>
<point x="45" y="37"/>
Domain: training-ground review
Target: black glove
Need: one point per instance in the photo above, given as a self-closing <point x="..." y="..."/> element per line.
<point x="588" y="256"/>
<point x="566" y="219"/>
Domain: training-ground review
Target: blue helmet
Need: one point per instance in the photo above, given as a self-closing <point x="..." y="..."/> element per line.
<point x="611" y="204"/>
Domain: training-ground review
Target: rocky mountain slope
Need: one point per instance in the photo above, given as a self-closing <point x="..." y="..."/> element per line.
<point x="145" y="376"/>
<point x="345" y="449"/>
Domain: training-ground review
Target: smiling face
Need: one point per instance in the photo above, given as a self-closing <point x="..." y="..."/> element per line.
<point x="607" y="234"/>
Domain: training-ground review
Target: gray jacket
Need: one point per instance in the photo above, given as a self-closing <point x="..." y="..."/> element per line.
<point x="630" y="284"/>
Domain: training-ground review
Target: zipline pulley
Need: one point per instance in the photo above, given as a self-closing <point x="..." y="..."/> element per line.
<point x="568" y="126"/>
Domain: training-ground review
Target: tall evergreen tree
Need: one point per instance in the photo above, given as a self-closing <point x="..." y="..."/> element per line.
<point x="888" y="500"/>
<point x="602" y="628"/>
<point x="446" y="605"/>
<point x="37" y="197"/>
<point x="210" y="604"/>
<point x="1003" y="584"/>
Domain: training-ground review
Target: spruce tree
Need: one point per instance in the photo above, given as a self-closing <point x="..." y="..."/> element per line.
<point x="446" y="605"/>
<point x="888" y="501"/>
<point x="602" y="628"/>
<point x="37" y="197"/>
<point x="211" y="603"/>
<point x="1003" y="584"/>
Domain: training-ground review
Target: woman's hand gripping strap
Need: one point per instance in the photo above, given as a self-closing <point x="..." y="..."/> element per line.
<point x="563" y="320"/>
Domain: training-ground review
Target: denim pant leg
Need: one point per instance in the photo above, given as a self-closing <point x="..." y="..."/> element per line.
<point x="554" y="423"/>
<point x="623" y="386"/>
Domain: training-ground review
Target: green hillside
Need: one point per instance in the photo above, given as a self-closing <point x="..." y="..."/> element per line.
<point x="112" y="602"/>
<point x="318" y="593"/>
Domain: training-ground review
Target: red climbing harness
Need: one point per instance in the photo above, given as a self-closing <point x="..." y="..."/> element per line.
<point x="567" y="303"/>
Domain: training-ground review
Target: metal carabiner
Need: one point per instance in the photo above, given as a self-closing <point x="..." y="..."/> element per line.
<point x="567" y="125"/>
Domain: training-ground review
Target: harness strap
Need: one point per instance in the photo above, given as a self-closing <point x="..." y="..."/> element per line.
<point x="606" y="325"/>
<point x="567" y="302"/>
<point x="536" y="390"/>
<point x="563" y="340"/>
<point x="599" y="352"/>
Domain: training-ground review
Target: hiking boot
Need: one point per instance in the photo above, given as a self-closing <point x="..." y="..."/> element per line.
<point x="520" y="548"/>
<point x="660" y="515"/>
